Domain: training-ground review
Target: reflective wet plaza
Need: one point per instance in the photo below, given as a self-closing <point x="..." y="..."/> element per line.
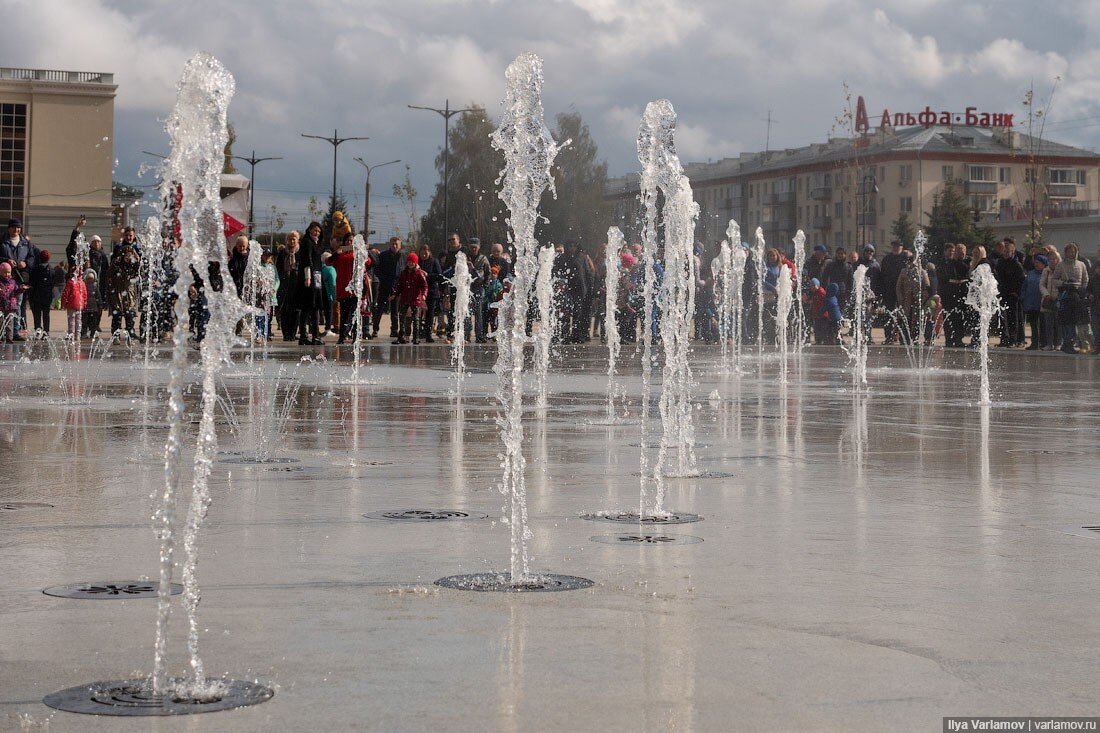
<point x="865" y="561"/>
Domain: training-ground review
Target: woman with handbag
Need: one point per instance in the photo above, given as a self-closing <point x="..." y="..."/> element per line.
<point x="309" y="286"/>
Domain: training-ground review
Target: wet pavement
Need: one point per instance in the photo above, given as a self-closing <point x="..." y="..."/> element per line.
<point x="867" y="562"/>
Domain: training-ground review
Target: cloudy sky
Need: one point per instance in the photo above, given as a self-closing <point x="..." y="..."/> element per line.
<point x="314" y="65"/>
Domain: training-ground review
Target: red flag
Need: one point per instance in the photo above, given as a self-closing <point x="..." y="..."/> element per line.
<point x="232" y="226"/>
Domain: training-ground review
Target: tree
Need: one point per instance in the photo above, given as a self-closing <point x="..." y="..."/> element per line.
<point x="950" y="220"/>
<point x="228" y="166"/>
<point x="902" y="229"/>
<point x="475" y="209"/>
<point x="406" y="194"/>
<point x="337" y="203"/>
<point x="579" y="212"/>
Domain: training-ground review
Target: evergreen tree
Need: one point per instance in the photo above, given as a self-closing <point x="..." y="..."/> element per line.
<point x="335" y="203"/>
<point x="950" y="220"/>
<point x="903" y="230"/>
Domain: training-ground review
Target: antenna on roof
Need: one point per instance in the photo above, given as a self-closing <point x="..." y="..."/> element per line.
<point x="768" y="136"/>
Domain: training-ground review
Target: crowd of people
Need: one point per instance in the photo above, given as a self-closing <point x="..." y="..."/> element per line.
<point x="305" y="287"/>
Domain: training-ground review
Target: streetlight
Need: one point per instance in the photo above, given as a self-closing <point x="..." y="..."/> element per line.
<point x="334" y="141"/>
<point x="867" y="186"/>
<point x="252" y="161"/>
<point x="446" y="113"/>
<point x="366" y="199"/>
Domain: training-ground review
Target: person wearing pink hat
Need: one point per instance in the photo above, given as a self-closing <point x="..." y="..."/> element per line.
<point x="411" y="294"/>
<point x="10" y="291"/>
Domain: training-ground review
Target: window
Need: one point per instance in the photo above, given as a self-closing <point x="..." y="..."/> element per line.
<point x="906" y="204"/>
<point x="882" y="206"/>
<point x="1030" y="175"/>
<point x="1061" y="175"/>
<point x="981" y="173"/>
<point x="1005" y="175"/>
<point x="838" y="211"/>
<point x="1006" y="204"/>
<point x="13" y="159"/>
<point x="838" y="239"/>
<point x="906" y="172"/>
<point x="947" y="172"/>
<point x="1081" y="177"/>
<point x="981" y="203"/>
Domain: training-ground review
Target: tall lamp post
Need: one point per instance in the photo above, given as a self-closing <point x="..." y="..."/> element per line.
<point x="252" y="161"/>
<point x="867" y="186"/>
<point x="334" y="141"/>
<point x="366" y="198"/>
<point x="446" y="113"/>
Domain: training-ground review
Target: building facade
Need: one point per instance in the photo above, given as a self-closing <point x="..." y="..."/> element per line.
<point x="56" y="151"/>
<point x="850" y="191"/>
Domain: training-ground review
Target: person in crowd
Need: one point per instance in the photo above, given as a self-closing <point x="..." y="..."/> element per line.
<point x="706" y="308"/>
<point x="93" y="307"/>
<point x="815" y="266"/>
<point x="328" y="292"/>
<point x="1052" y="331"/>
<point x="122" y="288"/>
<point x="286" y="263"/>
<point x="814" y="296"/>
<point x="833" y="313"/>
<point x="447" y="262"/>
<point x="889" y="272"/>
<point x="1070" y="281"/>
<point x="238" y="263"/>
<point x="10" y="291"/>
<point x="977" y="259"/>
<point x="267" y="289"/>
<point x="494" y="292"/>
<point x="574" y="279"/>
<point x="912" y="284"/>
<point x="837" y="271"/>
<point x="42" y="285"/>
<point x="308" y="296"/>
<point x="410" y="296"/>
<point x="1010" y="280"/>
<point x="498" y="258"/>
<point x="390" y="265"/>
<point x="599" y="293"/>
<point x="130" y="239"/>
<point x="433" y="272"/>
<point x="197" y="310"/>
<point x="956" y="276"/>
<point x="343" y="261"/>
<point x="1031" y="300"/>
<point x="1093" y="299"/>
<point x="74" y="299"/>
<point x="626" y="314"/>
<point x="17" y="250"/>
<point x="480" y="273"/>
<point x="933" y="318"/>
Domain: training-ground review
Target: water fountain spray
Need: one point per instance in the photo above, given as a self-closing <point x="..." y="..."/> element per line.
<point x="358" y="274"/>
<point x="150" y="268"/>
<point x="462" y="280"/>
<point x="198" y="132"/>
<point x="529" y="153"/>
<point x="761" y="273"/>
<point x="982" y="297"/>
<point x="662" y="172"/>
<point x="615" y="243"/>
<point x="544" y="297"/>
<point x="859" y="330"/>
<point x="783" y="304"/>
<point x="799" y="242"/>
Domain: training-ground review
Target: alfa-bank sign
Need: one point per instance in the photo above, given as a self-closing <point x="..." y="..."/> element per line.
<point x="928" y="117"/>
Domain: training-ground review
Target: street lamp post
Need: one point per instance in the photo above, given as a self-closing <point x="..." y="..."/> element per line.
<point x="334" y="141"/>
<point x="366" y="198"/>
<point x="446" y="113"/>
<point x="867" y="186"/>
<point x="252" y="161"/>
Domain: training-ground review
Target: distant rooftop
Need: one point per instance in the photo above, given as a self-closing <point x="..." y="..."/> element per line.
<point x="68" y="77"/>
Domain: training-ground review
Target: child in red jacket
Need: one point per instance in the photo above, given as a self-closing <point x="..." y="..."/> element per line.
<point x="74" y="299"/>
<point x="412" y="298"/>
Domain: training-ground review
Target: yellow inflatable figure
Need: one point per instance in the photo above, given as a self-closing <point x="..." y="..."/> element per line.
<point x="341" y="227"/>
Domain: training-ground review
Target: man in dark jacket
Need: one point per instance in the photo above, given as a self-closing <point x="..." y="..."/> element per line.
<point x="390" y="264"/>
<point x="447" y="291"/>
<point x="837" y="271"/>
<point x="434" y="274"/>
<point x="17" y="251"/>
<point x="572" y="276"/>
<point x="889" y="272"/>
<point x="1010" y="280"/>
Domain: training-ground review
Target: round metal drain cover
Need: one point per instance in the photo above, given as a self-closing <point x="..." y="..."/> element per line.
<point x="640" y="538"/>
<point x="15" y="506"/>
<point x="136" y="698"/>
<point x="425" y="515"/>
<point x="502" y="583"/>
<point x="703" y="474"/>
<point x="633" y="518"/>
<point x="256" y="461"/>
<point x="109" y="590"/>
<point x="1046" y="451"/>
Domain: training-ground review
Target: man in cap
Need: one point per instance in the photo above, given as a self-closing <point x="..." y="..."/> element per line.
<point x="17" y="251"/>
<point x="889" y="272"/>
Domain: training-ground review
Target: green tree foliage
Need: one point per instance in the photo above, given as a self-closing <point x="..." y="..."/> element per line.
<point x="950" y="220"/>
<point x="475" y="209"/>
<point x="228" y="166"/>
<point x="337" y="203"/>
<point x="903" y="229"/>
<point x="579" y="211"/>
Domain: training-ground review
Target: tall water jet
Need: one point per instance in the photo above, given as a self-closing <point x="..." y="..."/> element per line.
<point x="360" y="255"/>
<point x="544" y="297"/>
<point x="799" y="242"/>
<point x="982" y="297"/>
<point x="761" y="274"/>
<point x="663" y="174"/>
<point x="529" y="153"/>
<point x="784" y="302"/>
<point x="462" y="280"/>
<point x="250" y="294"/>
<point x="615" y="243"/>
<point x="150" y="269"/>
<point x="738" y="259"/>
<point x="198" y="132"/>
<point x="859" y="331"/>
<point x="722" y="274"/>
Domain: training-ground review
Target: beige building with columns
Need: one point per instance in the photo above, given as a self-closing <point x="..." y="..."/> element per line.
<point x="56" y="151"/>
<point x="847" y="192"/>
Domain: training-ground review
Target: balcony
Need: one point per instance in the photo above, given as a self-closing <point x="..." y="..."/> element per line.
<point x="821" y="193"/>
<point x="822" y="222"/>
<point x="776" y="199"/>
<point x="866" y="219"/>
<point x="1062" y="190"/>
<point x="981" y="187"/>
<point x="69" y="77"/>
<point x="1023" y="213"/>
